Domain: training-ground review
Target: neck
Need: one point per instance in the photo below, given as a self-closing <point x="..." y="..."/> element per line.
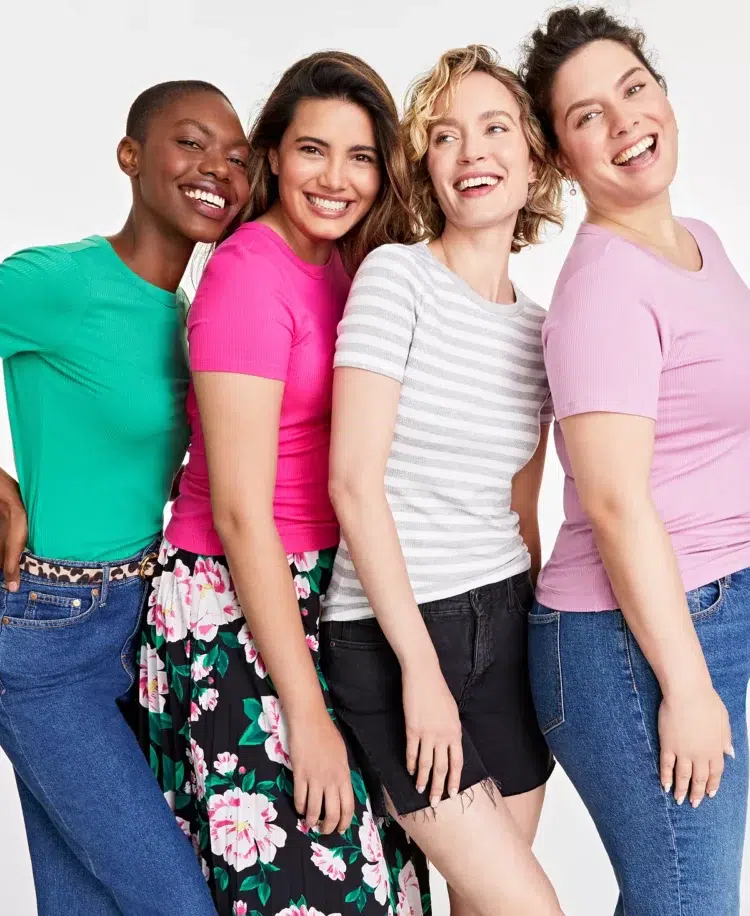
<point x="480" y="257"/>
<point x="651" y="222"/>
<point x="314" y="251"/>
<point x="158" y="255"/>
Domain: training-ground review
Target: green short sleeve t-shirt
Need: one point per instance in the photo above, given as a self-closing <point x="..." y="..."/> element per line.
<point x="95" y="380"/>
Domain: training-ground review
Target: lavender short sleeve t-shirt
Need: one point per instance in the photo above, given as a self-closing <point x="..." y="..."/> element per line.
<point x="628" y="332"/>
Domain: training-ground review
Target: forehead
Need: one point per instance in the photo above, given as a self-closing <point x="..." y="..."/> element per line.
<point x="208" y="108"/>
<point x="476" y="94"/>
<point x="592" y="71"/>
<point x="332" y="120"/>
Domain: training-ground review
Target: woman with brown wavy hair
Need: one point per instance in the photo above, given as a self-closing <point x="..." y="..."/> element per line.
<point x="438" y="446"/>
<point x="236" y="710"/>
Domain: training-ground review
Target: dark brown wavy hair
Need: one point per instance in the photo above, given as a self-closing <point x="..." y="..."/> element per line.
<point x="337" y="75"/>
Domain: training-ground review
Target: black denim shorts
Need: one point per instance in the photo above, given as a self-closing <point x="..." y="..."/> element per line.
<point x="481" y="642"/>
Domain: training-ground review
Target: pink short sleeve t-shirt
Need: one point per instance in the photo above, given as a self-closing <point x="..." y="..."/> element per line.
<point x="628" y="332"/>
<point x="260" y="310"/>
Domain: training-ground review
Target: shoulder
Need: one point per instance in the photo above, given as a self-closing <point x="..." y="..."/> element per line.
<point x="247" y="259"/>
<point x="392" y="260"/>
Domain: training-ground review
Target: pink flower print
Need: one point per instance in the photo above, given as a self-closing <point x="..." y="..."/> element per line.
<point x="312" y="642"/>
<point x="303" y="911"/>
<point x="184" y="826"/>
<point x="375" y="872"/>
<point x="153" y="683"/>
<point x="198" y="760"/>
<point x="209" y="698"/>
<point x="169" y="603"/>
<point x="195" y="711"/>
<point x="409" y="895"/>
<point x="304" y="561"/>
<point x="226" y="763"/>
<point x="198" y="669"/>
<point x="166" y="550"/>
<point x="239" y="908"/>
<point x="242" y="828"/>
<point x="302" y="587"/>
<point x="303" y="828"/>
<point x="273" y="721"/>
<point x="215" y="603"/>
<point x="251" y="651"/>
<point x="330" y="864"/>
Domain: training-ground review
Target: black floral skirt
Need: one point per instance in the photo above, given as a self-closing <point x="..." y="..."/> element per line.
<point x="215" y="733"/>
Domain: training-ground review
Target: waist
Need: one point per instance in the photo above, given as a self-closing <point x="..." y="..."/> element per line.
<point x="66" y="572"/>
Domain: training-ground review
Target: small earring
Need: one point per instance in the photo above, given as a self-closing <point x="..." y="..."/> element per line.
<point x="573" y="189"/>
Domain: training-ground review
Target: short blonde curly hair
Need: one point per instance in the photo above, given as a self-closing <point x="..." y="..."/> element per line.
<point x="543" y="204"/>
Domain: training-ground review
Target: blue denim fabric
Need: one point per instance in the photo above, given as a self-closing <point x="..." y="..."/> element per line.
<point x="103" y="840"/>
<point x="597" y="702"/>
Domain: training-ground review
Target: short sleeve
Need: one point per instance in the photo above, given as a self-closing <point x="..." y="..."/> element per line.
<point x="240" y="320"/>
<point x="378" y="324"/>
<point x="41" y="290"/>
<point x="547" y="413"/>
<point x="603" y="346"/>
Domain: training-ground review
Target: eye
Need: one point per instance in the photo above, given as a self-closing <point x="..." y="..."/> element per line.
<point x="311" y="149"/>
<point x="191" y="144"/>
<point x="633" y="90"/>
<point x="497" y="129"/>
<point x="237" y="161"/>
<point x="585" y="118"/>
<point x="364" y="157"/>
<point x="443" y="138"/>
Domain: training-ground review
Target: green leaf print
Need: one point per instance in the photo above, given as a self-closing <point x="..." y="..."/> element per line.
<point x="426" y="904"/>
<point x="222" y="663"/>
<point x="153" y="758"/>
<point x="265" y="787"/>
<point x="210" y="660"/>
<point x="229" y="640"/>
<point x="313" y="577"/>
<point x="352" y="896"/>
<point x="358" y="784"/>
<point x="249" y="884"/>
<point x="353" y="856"/>
<point x="179" y="775"/>
<point x="217" y="781"/>
<point x="253" y="708"/>
<point x="158" y="722"/>
<point x="222" y="878"/>
<point x="249" y="781"/>
<point x="326" y="558"/>
<point x="181" y="801"/>
<point x="264" y="892"/>
<point x="167" y="778"/>
<point x="179" y="691"/>
<point x="253" y="734"/>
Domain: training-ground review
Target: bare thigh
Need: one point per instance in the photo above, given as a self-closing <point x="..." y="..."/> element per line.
<point x="525" y="809"/>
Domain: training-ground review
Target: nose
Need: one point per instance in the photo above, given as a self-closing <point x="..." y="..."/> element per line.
<point x="471" y="150"/>
<point x="333" y="175"/>
<point x="215" y="164"/>
<point x="623" y="121"/>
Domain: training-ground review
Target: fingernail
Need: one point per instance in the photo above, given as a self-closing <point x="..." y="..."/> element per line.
<point x="680" y="800"/>
<point x="453" y="793"/>
<point x="421" y="789"/>
<point x="731" y="752"/>
<point x="695" y="803"/>
<point x="667" y="786"/>
<point x="712" y="793"/>
<point x="435" y="801"/>
<point x="13" y="587"/>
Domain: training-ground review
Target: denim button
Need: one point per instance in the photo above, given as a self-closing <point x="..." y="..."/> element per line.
<point x="6" y="621"/>
<point x="77" y="602"/>
<point x="32" y="596"/>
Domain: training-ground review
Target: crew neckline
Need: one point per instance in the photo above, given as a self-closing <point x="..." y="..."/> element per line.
<point x="318" y="271"/>
<point x="149" y="289"/>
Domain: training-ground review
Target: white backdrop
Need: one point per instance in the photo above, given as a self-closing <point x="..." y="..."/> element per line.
<point x="69" y="69"/>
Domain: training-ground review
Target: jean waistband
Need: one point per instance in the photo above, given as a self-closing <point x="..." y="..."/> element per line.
<point x="67" y="572"/>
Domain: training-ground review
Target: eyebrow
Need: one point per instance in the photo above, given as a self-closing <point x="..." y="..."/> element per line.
<point x="205" y="129"/>
<point x="584" y="102"/>
<point x="484" y="116"/>
<point x="357" y="148"/>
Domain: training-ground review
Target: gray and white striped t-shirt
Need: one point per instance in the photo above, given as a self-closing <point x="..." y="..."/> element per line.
<point x="472" y="390"/>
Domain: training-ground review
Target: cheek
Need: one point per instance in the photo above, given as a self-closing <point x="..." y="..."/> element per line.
<point x="367" y="184"/>
<point x="294" y="173"/>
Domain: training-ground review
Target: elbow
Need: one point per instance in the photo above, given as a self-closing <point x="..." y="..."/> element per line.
<point x="611" y="509"/>
<point x="236" y="523"/>
<point x="348" y="491"/>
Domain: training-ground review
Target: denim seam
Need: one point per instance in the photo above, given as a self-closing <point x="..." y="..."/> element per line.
<point x="655" y="761"/>
<point x="133" y="675"/>
<point x="88" y="864"/>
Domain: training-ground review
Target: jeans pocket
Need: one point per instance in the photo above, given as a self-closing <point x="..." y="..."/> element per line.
<point x="705" y="601"/>
<point x="545" y="668"/>
<point x="43" y="606"/>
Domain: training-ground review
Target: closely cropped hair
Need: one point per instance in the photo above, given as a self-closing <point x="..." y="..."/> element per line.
<point x="543" y="205"/>
<point x="337" y="75"/>
<point x="567" y="31"/>
<point x="153" y="100"/>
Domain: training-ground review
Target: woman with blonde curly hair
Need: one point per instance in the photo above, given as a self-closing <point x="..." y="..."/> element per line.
<point x="438" y="439"/>
<point x="236" y="713"/>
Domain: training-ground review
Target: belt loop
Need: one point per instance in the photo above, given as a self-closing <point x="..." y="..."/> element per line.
<point x="105" y="586"/>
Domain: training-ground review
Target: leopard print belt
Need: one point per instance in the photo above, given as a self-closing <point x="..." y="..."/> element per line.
<point x="87" y="575"/>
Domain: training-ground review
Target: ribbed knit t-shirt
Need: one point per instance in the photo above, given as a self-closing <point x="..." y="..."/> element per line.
<point x="95" y="380"/>
<point x="629" y="332"/>
<point x="261" y="310"/>
<point x="472" y="390"/>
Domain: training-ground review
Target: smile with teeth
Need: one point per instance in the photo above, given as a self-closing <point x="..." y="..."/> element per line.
<point x="479" y="181"/>
<point x="335" y="206"/>
<point x="640" y="147"/>
<point x="213" y="200"/>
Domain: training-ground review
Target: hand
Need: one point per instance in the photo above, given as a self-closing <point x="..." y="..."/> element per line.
<point x="322" y="776"/>
<point x="433" y="732"/>
<point x="13" y="530"/>
<point x="694" y="733"/>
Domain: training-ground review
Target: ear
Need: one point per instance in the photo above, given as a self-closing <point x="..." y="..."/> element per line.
<point x="562" y="166"/>
<point x="273" y="160"/>
<point x="129" y="156"/>
<point x="533" y="171"/>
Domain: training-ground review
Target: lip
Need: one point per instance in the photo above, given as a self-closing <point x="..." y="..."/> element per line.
<point x="639" y="165"/>
<point x="475" y="174"/>
<point x="211" y="187"/>
<point x="327" y="214"/>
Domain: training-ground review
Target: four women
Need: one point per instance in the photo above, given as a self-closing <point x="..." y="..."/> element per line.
<point x="300" y="762"/>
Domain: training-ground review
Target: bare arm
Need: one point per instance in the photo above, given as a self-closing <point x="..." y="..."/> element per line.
<point x="611" y="457"/>
<point x="13" y="530"/>
<point x="364" y="415"/>
<point x="524" y="500"/>
<point x="240" y="419"/>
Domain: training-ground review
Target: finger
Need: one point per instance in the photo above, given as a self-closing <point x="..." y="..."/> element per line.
<point x="300" y="795"/>
<point x="331" y="809"/>
<point x="716" y="770"/>
<point x="314" y="805"/>
<point x="456" y="765"/>
<point x="347" y="806"/>
<point x="439" y="772"/>
<point x="701" y="772"/>
<point x="666" y="769"/>
<point x="412" y="752"/>
<point x="426" y="749"/>
<point x="682" y="773"/>
<point x="15" y="544"/>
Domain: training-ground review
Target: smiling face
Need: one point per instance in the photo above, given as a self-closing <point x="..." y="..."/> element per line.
<point x="478" y="157"/>
<point x="616" y="130"/>
<point x="328" y="168"/>
<point x="190" y="171"/>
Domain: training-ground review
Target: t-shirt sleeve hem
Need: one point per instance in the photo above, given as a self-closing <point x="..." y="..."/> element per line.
<point x="233" y="367"/>
<point x="576" y="408"/>
<point x="350" y="363"/>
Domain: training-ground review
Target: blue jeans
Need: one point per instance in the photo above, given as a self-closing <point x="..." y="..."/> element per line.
<point x="102" y="838"/>
<point x="597" y="701"/>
